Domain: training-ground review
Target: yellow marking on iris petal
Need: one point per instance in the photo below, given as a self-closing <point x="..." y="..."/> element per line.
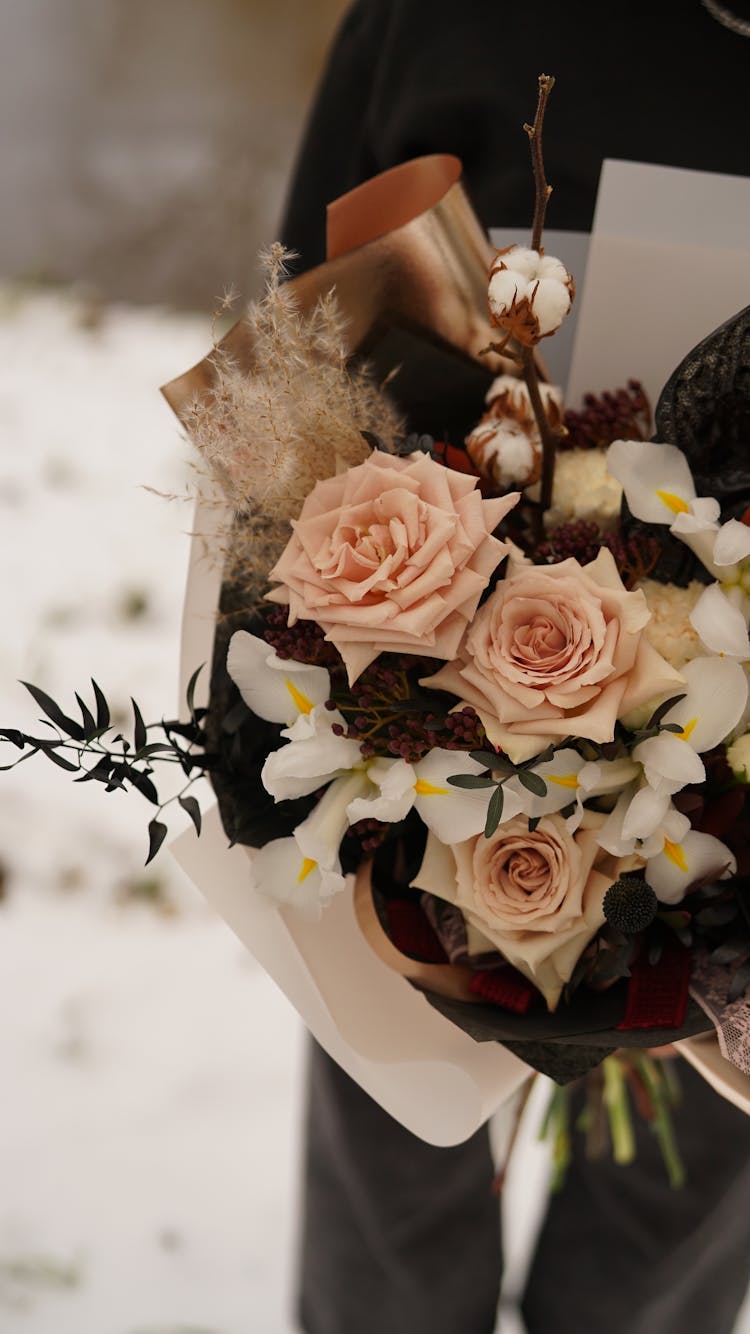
<point x="687" y="730"/>
<point x="425" y="789"/>
<point x="563" y="780"/>
<point x="304" y="704"/>
<point x="308" y="865"/>
<point x="675" y="854"/>
<point x="675" y="503"/>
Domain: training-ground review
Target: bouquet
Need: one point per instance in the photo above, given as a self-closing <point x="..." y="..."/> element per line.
<point x="480" y="667"/>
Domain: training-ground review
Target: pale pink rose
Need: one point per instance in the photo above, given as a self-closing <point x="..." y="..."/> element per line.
<point x="557" y="651"/>
<point x="535" y="896"/>
<point x="391" y="557"/>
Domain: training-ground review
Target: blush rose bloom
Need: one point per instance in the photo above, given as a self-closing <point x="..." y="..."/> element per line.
<point x="557" y="651"/>
<point x="391" y="556"/>
<point x="534" y="896"/>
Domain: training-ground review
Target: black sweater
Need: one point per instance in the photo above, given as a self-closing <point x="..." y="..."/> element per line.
<point x="646" y="80"/>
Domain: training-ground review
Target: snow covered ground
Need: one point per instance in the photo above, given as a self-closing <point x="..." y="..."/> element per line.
<point x="152" y="1074"/>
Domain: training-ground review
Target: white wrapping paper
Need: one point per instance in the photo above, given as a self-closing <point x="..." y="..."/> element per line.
<point x="423" y="1070"/>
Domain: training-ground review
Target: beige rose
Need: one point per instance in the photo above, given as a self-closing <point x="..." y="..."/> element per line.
<point x="392" y="557"/>
<point x="536" y="897"/>
<point x="557" y="651"/>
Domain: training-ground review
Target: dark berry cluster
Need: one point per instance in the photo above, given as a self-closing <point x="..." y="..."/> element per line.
<point x="580" y="539"/>
<point x="303" y="642"/>
<point x="385" y="710"/>
<point x="369" y="834"/>
<point x="389" y="714"/>
<point x="635" y="557"/>
<point x="624" y="414"/>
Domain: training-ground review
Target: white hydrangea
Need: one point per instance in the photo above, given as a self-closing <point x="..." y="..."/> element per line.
<point x="583" y="489"/>
<point x="669" y="631"/>
<point x="738" y="757"/>
<point x="529" y="293"/>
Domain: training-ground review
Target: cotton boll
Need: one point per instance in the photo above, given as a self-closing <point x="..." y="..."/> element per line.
<point x="503" y="452"/>
<point x="551" y="304"/>
<point x="550" y="267"/>
<point x="505" y="286"/>
<point x="524" y="261"/>
<point x="529" y="294"/>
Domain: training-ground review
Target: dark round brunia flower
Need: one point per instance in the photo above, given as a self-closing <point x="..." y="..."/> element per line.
<point x="630" y="905"/>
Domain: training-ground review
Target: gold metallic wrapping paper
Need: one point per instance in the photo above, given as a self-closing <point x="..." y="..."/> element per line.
<point x="406" y="251"/>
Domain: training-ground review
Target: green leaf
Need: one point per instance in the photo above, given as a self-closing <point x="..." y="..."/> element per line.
<point x="542" y="758"/>
<point x="157" y="832"/>
<point x="87" y="717"/>
<point x="662" y="711"/>
<point x="117" y="777"/>
<point x="532" y="782"/>
<point x="99" y="773"/>
<point x="729" y="952"/>
<point x="190" y="692"/>
<point x="59" y="760"/>
<point x="53" y="711"/>
<point x="187" y="730"/>
<point x="494" y="812"/>
<point x="13" y="736"/>
<point x="569" y="810"/>
<point x="655" y="951"/>
<point x="718" y="915"/>
<point x="190" y="805"/>
<point x="490" y="760"/>
<point x="140" y="734"/>
<point x="142" y="783"/>
<point x="534" y="823"/>
<point x="102" y="708"/>
<point x="470" y="781"/>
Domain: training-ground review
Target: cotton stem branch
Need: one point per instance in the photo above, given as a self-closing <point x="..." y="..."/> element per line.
<point x="543" y="190"/>
<point x="548" y="435"/>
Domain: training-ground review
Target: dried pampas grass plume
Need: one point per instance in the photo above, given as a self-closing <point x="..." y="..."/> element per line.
<point x="296" y="416"/>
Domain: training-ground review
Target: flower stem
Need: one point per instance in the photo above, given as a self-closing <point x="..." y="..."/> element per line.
<point x="662" y="1096"/>
<point x="520" y="1108"/>
<point x="618" y="1106"/>
<point x="556" y="1124"/>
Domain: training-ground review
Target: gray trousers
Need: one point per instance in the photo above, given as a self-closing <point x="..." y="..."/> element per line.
<point x="399" y="1237"/>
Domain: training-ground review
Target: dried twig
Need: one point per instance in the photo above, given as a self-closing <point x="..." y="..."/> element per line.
<point x="543" y="190"/>
<point x="549" y="436"/>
